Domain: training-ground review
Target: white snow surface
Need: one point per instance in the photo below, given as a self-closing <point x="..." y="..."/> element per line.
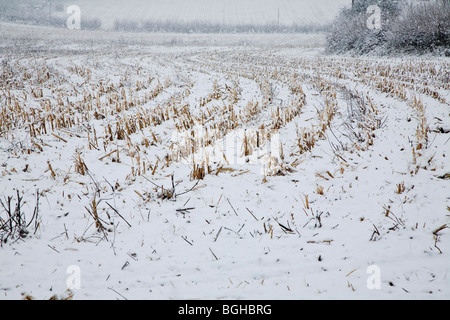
<point x="236" y="234"/>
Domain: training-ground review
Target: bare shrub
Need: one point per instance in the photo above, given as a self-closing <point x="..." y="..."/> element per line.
<point x="13" y="220"/>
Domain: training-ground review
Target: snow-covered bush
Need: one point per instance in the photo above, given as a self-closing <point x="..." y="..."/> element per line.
<point x="404" y="28"/>
<point x="349" y="33"/>
<point x="422" y="27"/>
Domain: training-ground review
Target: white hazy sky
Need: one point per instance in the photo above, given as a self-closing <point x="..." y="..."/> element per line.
<point x="215" y="11"/>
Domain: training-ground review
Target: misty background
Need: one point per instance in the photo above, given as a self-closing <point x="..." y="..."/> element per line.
<point x="180" y="15"/>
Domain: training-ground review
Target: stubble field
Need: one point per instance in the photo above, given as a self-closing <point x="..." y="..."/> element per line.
<point x="219" y="167"/>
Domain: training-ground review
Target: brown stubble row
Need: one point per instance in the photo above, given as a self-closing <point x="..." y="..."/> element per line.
<point x="123" y="109"/>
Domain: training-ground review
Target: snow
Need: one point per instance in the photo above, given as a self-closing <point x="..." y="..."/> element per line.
<point x="236" y="234"/>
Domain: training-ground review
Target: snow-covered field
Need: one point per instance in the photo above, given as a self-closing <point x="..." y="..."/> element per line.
<point x="220" y="167"/>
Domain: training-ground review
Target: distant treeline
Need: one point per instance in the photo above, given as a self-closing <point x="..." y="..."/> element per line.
<point x="205" y="27"/>
<point x="405" y="27"/>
